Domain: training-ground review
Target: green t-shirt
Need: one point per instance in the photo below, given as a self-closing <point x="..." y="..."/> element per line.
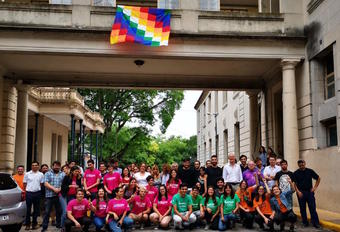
<point x="229" y="204"/>
<point x="211" y="205"/>
<point x="182" y="203"/>
<point x="196" y="203"/>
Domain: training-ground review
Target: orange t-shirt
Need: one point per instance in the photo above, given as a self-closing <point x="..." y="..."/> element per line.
<point x="264" y="206"/>
<point x="246" y="194"/>
<point x="20" y="180"/>
<point x="283" y="208"/>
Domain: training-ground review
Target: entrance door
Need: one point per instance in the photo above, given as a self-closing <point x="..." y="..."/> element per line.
<point x="278" y="124"/>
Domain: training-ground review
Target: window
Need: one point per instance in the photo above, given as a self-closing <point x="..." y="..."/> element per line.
<point x="209" y="5"/>
<point x="110" y="3"/>
<point x="6" y="182"/>
<point x="209" y="108"/>
<point x="216" y="101"/>
<point x="204" y="114"/>
<point x="239" y="6"/>
<point x="198" y="121"/>
<point x="225" y="135"/>
<point x="168" y="4"/>
<point x="210" y="148"/>
<point x="205" y="150"/>
<point x="237" y="139"/>
<point x="145" y="3"/>
<point x="217" y="145"/>
<point x="61" y="2"/>
<point x="329" y="76"/>
<point x="332" y="136"/>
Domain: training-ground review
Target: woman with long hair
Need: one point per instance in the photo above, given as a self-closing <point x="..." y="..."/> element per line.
<point x="117" y="210"/>
<point x="165" y="174"/>
<point x="211" y="209"/>
<point x="265" y="214"/>
<point x="126" y="177"/>
<point x="131" y="190"/>
<point x="246" y="195"/>
<point x="263" y="155"/>
<point x="161" y="209"/>
<point x="173" y="183"/>
<point x="228" y="208"/>
<point x="157" y="180"/>
<point x="98" y="207"/>
<point x="282" y="206"/>
<point x="71" y="183"/>
<point x="202" y="179"/>
<point x="142" y="175"/>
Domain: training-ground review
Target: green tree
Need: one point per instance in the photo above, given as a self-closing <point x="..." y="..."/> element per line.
<point x="141" y="108"/>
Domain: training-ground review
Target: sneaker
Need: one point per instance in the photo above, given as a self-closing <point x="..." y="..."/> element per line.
<point x="156" y="228"/>
<point x="317" y="226"/>
<point x="206" y="227"/>
<point x="291" y="228"/>
<point x="141" y="226"/>
<point x="27" y="227"/>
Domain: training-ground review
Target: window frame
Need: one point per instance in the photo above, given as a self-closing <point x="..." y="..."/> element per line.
<point x="328" y="76"/>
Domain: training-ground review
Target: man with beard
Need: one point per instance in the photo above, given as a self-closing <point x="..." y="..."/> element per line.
<point x="186" y="173"/>
<point x="220" y="187"/>
<point x="282" y="178"/>
<point x="53" y="180"/>
<point x="214" y="172"/>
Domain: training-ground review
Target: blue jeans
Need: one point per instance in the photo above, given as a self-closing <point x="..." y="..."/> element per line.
<point x="63" y="206"/>
<point x="32" y="198"/>
<point x="49" y="202"/>
<point x="127" y="223"/>
<point x="99" y="222"/>
<point x="227" y="218"/>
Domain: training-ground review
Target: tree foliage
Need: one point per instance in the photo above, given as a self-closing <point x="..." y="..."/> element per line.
<point x="137" y="109"/>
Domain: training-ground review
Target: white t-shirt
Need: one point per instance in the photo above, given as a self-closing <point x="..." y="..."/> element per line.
<point x="232" y="174"/>
<point x="33" y="181"/>
<point x="141" y="179"/>
<point x="271" y="171"/>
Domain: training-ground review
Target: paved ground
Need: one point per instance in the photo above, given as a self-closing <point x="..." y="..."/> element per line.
<point x="238" y="228"/>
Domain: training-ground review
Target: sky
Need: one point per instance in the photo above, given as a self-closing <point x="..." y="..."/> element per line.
<point x="184" y="123"/>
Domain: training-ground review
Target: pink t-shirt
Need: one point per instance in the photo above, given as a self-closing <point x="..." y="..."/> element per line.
<point x="152" y="192"/>
<point x="173" y="187"/>
<point x="117" y="206"/>
<point x="101" y="212"/>
<point x="78" y="209"/>
<point x="91" y="178"/>
<point x="138" y="205"/>
<point x="163" y="205"/>
<point x="112" y="181"/>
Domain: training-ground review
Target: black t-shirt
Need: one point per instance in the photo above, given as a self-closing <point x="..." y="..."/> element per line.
<point x="303" y="179"/>
<point x="282" y="178"/>
<point x="213" y="174"/>
<point x="187" y="176"/>
<point x="243" y="169"/>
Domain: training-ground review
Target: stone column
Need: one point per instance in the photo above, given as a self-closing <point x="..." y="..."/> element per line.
<point x="263" y="120"/>
<point x="253" y="124"/>
<point x="290" y="123"/>
<point x="21" y="127"/>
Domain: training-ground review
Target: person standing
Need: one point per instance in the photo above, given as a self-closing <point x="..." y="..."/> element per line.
<point x="214" y="172"/>
<point x="173" y="183"/>
<point x="116" y="167"/>
<point x="142" y="175"/>
<point x="232" y="172"/>
<point x="186" y="173"/>
<point x="263" y="155"/>
<point x="33" y="181"/>
<point x="165" y="174"/>
<point x="251" y="174"/>
<point x="53" y="180"/>
<point x="156" y="176"/>
<point x="111" y="181"/>
<point x="91" y="180"/>
<point x="270" y="171"/>
<point x="306" y="192"/>
<point x="19" y="177"/>
<point x="243" y="163"/>
<point x="282" y="178"/>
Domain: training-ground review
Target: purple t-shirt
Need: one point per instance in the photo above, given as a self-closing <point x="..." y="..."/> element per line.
<point x="248" y="176"/>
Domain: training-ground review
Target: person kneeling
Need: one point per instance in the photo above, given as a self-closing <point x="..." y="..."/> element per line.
<point x="210" y="205"/>
<point x="162" y="208"/>
<point x="77" y="212"/>
<point x="182" y="204"/>
<point x="116" y="212"/>
<point x="229" y="206"/>
<point x="141" y="208"/>
<point x="99" y="207"/>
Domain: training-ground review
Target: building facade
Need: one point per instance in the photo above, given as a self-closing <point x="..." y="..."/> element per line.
<point x="280" y="52"/>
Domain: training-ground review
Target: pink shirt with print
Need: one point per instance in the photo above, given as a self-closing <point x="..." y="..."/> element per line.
<point x="78" y="209"/>
<point x="91" y="178"/>
<point x="139" y="205"/>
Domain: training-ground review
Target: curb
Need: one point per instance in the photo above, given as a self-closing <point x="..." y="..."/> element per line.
<point x="327" y="224"/>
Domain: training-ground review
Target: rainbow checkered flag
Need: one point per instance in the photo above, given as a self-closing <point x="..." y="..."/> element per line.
<point x="148" y="26"/>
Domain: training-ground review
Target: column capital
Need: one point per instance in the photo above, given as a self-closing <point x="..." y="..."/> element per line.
<point x="289" y="63"/>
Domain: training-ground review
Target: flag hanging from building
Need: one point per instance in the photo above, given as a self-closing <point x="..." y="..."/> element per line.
<point x="148" y="26"/>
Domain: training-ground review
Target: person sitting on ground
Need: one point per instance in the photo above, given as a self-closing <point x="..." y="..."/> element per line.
<point x="117" y="210"/>
<point x="246" y="195"/>
<point x="196" y="199"/>
<point x="77" y="212"/>
<point x="220" y="187"/>
<point x="182" y="208"/>
<point x="265" y="214"/>
<point x="151" y="190"/>
<point x="173" y="183"/>
<point x="283" y="209"/>
<point x="111" y="181"/>
<point x="140" y="208"/>
<point x="99" y="207"/>
<point x="210" y="209"/>
<point x="162" y="209"/>
<point x="228" y="208"/>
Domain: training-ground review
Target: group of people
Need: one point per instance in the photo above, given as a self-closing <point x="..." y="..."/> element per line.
<point x="188" y="195"/>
